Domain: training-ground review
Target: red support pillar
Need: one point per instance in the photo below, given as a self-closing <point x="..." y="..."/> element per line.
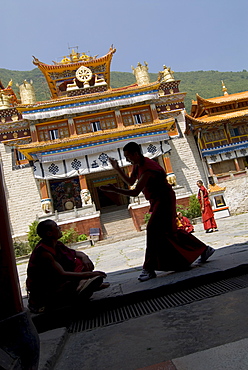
<point x="43" y="190"/>
<point x="72" y="128"/>
<point x="83" y="182"/>
<point x="118" y="118"/>
<point x="236" y="164"/>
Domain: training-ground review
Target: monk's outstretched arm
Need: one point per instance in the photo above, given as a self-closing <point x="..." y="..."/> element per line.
<point x="129" y="192"/>
<point x="127" y="179"/>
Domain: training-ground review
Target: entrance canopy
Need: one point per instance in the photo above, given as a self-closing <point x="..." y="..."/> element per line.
<point x="74" y="162"/>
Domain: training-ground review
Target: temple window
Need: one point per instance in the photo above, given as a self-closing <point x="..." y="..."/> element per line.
<point x="19" y="160"/>
<point x="54" y="134"/>
<point x="20" y="156"/>
<point x="83" y="129"/>
<point x="239" y="133"/>
<point x="215" y="138"/>
<point x="95" y="126"/>
<point x="90" y="124"/>
<point x="53" y="131"/>
<point x="136" y="117"/>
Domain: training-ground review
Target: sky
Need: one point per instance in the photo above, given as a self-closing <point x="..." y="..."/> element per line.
<point x="186" y="35"/>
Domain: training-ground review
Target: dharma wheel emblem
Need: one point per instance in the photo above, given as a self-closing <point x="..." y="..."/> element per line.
<point x="84" y="75"/>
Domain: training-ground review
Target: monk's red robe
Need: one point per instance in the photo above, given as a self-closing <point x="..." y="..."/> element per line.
<point x="44" y="285"/>
<point x="185" y="224"/>
<point x="207" y="215"/>
<point x="168" y="249"/>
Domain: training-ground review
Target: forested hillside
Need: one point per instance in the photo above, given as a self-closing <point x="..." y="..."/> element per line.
<point x="205" y="83"/>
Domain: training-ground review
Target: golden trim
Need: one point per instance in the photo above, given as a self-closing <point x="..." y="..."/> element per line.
<point x="93" y="137"/>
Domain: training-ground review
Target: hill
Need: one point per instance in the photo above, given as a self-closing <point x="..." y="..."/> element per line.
<point x="206" y="83"/>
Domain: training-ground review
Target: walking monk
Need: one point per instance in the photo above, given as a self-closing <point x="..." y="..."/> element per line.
<point x="208" y="220"/>
<point x="167" y="249"/>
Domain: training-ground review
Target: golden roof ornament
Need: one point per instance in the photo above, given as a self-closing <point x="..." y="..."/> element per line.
<point x="141" y="74"/>
<point x="76" y="57"/>
<point x="224" y="89"/>
<point x="65" y="60"/>
<point x="167" y="75"/>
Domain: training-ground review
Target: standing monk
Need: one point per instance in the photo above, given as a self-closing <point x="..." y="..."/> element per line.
<point x="206" y="209"/>
<point x="168" y="249"/>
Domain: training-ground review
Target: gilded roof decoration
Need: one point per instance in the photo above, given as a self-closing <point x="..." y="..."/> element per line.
<point x="7" y="96"/>
<point x="67" y="68"/>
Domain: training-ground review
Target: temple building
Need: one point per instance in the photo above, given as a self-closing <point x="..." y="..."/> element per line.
<point x="55" y="153"/>
<point x="220" y="128"/>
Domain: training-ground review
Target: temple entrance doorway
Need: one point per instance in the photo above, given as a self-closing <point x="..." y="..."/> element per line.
<point x="104" y="200"/>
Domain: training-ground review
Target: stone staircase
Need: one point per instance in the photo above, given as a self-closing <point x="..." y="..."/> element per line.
<point x="117" y="224"/>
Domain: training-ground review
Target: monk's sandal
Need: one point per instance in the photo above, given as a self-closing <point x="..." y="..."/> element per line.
<point x="206" y="254"/>
<point x="146" y="275"/>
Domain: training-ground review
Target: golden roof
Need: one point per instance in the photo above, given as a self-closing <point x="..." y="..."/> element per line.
<point x="59" y="71"/>
<point x="218" y="118"/>
<point x="221" y="99"/>
<point x="215" y="188"/>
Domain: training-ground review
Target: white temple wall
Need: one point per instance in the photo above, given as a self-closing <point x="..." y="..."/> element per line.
<point x="22" y="194"/>
<point x="185" y="159"/>
<point x="236" y="194"/>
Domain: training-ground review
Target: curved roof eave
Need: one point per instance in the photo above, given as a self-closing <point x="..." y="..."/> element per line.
<point x="59" y="67"/>
<point x="216" y="119"/>
<point x="221" y="99"/>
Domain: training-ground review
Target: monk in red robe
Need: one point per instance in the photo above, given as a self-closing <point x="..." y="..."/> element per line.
<point x="184" y="223"/>
<point x="206" y="209"/>
<point x="167" y="248"/>
<point x="57" y="275"/>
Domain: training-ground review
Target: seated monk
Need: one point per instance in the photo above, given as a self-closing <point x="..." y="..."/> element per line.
<point x="184" y="223"/>
<point x="58" y="276"/>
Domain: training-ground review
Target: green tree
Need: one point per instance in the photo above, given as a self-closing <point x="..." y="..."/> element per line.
<point x="33" y="237"/>
<point x="193" y="210"/>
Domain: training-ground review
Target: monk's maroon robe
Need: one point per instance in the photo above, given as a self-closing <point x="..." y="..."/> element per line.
<point x="46" y="287"/>
<point x="168" y="248"/>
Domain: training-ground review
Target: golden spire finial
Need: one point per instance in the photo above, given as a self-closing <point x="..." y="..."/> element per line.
<point x="224" y="89"/>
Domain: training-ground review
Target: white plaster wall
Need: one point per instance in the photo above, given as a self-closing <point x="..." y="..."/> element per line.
<point x="185" y="159"/>
<point x="22" y="194"/>
<point x="236" y="194"/>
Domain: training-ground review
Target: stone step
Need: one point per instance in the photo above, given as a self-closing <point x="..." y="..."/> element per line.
<point x="117" y="222"/>
<point x="117" y="215"/>
<point x="119" y="227"/>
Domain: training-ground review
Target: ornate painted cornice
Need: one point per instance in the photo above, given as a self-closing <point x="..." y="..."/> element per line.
<point x="95" y="137"/>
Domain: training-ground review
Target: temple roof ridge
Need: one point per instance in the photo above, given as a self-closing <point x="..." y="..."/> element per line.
<point x="206" y="102"/>
<point x="218" y="118"/>
<point x="86" y="61"/>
